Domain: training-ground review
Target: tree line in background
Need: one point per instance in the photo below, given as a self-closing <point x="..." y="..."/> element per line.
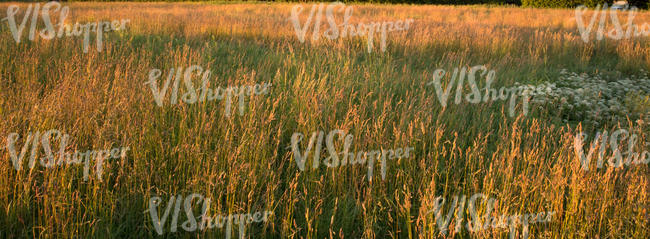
<point x="575" y="3"/>
<point x="526" y="3"/>
<point x="644" y="4"/>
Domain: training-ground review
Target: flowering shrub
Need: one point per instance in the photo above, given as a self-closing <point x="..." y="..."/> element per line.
<point x="597" y="100"/>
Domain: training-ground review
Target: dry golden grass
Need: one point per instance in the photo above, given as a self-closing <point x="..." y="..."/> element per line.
<point x="242" y="162"/>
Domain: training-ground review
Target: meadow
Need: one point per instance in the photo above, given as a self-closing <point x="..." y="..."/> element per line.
<point x="244" y="162"/>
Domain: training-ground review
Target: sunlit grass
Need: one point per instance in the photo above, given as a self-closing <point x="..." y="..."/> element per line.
<point x="242" y="162"/>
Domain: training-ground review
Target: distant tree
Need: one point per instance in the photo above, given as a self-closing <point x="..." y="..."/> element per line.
<point x="639" y="3"/>
<point x="595" y="3"/>
<point x="565" y="3"/>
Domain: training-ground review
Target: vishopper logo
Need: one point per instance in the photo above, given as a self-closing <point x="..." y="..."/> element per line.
<point x="617" y="32"/>
<point x="203" y="221"/>
<point x="334" y="159"/>
<point x="204" y="93"/>
<point x="489" y="94"/>
<point x="478" y="223"/>
<point x="32" y="14"/>
<point x="616" y="160"/>
<point x="345" y="29"/>
<point x="49" y="161"/>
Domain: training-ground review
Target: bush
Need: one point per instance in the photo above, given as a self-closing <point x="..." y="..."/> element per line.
<point x="549" y="3"/>
<point x="565" y="3"/>
<point x="594" y="3"/>
<point x="517" y="2"/>
<point x="447" y="2"/>
<point x="639" y="3"/>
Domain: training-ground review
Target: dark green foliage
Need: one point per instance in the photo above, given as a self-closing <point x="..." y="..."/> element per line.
<point x="449" y="2"/>
<point x="639" y="3"/>
<point x="643" y="4"/>
<point x="564" y="3"/>
<point x="594" y="3"/>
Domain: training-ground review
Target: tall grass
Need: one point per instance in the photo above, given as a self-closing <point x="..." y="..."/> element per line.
<point x="243" y="163"/>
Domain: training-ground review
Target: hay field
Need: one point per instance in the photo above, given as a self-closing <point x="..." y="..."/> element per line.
<point x="244" y="162"/>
